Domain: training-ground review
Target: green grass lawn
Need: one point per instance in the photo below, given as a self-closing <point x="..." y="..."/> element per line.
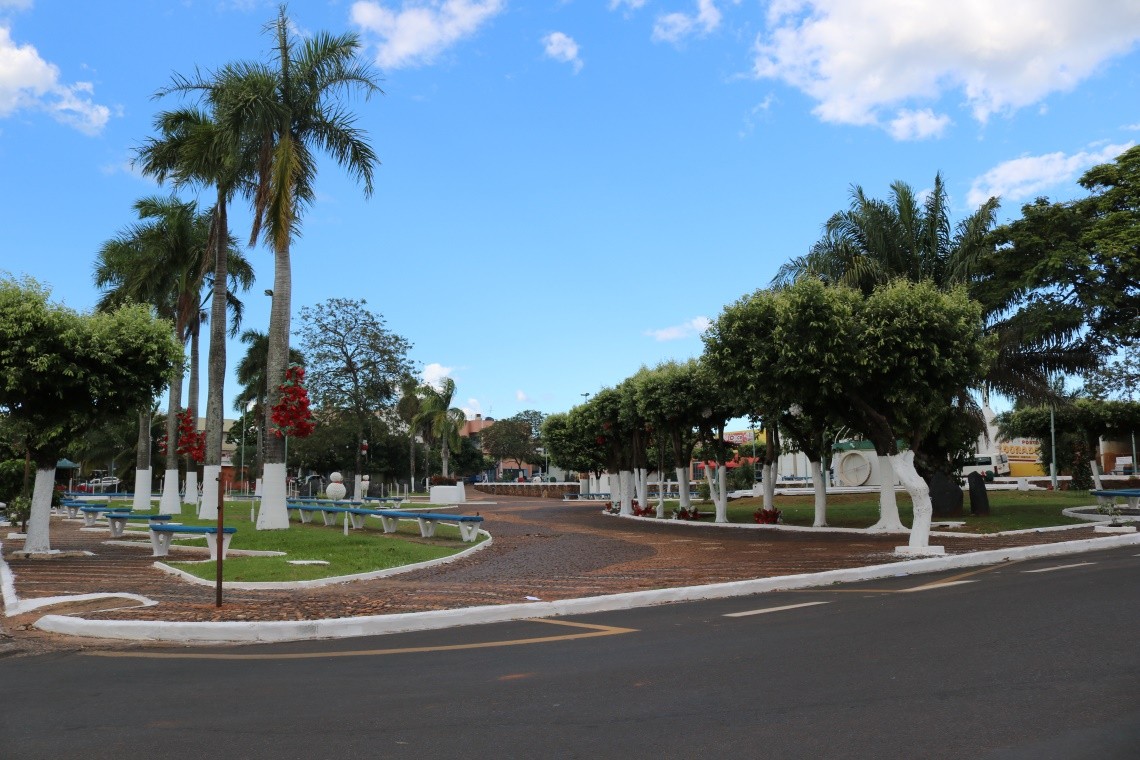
<point x="361" y="551"/>
<point x="1009" y="510"/>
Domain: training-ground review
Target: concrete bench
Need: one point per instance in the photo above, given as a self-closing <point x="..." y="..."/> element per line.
<point x="1107" y="498"/>
<point x="118" y="521"/>
<point x="586" y="497"/>
<point x="468" y="524"/>
<point x="330" y="510"/>
<point x="161" y="536"/>
<point x="90" y="514"/>
<point x="1122" y="466"/>
<point x="72" y="507"/>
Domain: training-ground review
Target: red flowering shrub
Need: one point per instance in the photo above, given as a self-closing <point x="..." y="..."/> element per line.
<point x="767" y="516"/>
<point x="291" y="415"/>
<point x="191" y="441"/>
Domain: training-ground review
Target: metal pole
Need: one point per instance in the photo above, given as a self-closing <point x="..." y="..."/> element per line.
<point x="1053" y="448"/>
<point x="1133" y="453"/>
<point x="220" y="542"/>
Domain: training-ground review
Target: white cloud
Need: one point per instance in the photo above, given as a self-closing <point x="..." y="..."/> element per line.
<point x="1027" y="176"/>
<point x="28" y="82"/>
<point x="861" y="58"/>
<point x="675" y="27"/>
<point x="918" y="125"/>
<point x="562" y="47"/>
<point x="472" y="407"/>
<point x="421" y="29"/>
<point x="694" y="326"/>
<point x="434" y="374"/>
<point x="521" y="396"/>
<point x="630" y="4"/>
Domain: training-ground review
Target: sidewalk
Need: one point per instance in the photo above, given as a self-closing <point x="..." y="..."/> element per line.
<point x="542" y="551"/>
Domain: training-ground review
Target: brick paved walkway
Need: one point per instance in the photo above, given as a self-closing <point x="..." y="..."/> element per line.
<point x="548" y="549"/>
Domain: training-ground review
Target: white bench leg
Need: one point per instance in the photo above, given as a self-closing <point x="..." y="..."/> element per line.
<point x="212" y="542"/>
<point x="88" y="519"/>
<point x="117" y="528"/>
<point x="306" y="515"/>
<point x="330" y="518"/>
<point x="390" y="523"/>
<point x="427" y="527"/>
<point x="357" y="520"/>
<point x="160" y="540"/>
<point x="468" y="531"/>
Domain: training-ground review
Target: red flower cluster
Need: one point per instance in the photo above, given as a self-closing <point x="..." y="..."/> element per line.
<point x="291" y="415"/>
<point x="191" y="442"/>
<point x="766" y="516"/>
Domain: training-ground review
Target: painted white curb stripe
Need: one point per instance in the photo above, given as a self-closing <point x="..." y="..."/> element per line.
<point x="931" y="587"/>
<point x="773" y="609"/>
<point x="376" y="625"/>
<point x="1060" y="567"/>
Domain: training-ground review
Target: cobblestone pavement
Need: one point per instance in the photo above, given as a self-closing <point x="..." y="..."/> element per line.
<point x="548" y="549"/>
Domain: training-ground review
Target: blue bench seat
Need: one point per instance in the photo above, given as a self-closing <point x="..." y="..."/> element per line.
<point x="162" y="534"/>
<point x="1106" y="498"/>
<point x="90" y="514"/>
<point x="468" y="524"/>
<point x="118" y="520"/>
<point x="330" y="510"/>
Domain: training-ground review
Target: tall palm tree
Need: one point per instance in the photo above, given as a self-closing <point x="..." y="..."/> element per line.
<point x="408" y="408"/>
<point x="439" y="419"/>
<point x="193" y="148"/>
<point x="253" y="375"/>
<point x="160" y="261"/>
<point x="289" y="110"/>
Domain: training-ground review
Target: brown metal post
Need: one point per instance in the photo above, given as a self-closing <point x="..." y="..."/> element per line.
<point x="221" y="537"/>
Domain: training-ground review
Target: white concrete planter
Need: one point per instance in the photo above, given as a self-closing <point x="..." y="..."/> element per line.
<point x="1114" y="528"/>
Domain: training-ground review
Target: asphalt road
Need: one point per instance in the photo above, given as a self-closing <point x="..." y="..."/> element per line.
<point x="1037" y="659"/>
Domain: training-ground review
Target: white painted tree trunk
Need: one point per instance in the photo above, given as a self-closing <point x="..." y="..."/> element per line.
<point x="683" y="486"/>
<point x="889" y="520"/>
<point x="209" y="507"/>
<point x="358" y="488"/>
<point x="820" y="495"/>
<point x="171" y="501"/>
<point x="141" y="499"/>
<point x="38" y="539"/>
<point x="625" y="492"/>
<point x="190" y="493"/>
<point x="641" y="482"/>
<point x="719" y="493"/>
<point x="257" y="487"/>
<point x="274" y="515"/>
<point x="1096" y="474"/>
<point x="661" y="486"/>
<point x="770" y="486"/>
<point x="903" y="465"/>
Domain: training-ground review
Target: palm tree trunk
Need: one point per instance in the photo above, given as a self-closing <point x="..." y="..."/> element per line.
<point x="190" y="493"/>
<point x="274" y="515"/>
<point x="216" y="366"/>
<point x="141" y="500"/>
<point x="170" y="503"/>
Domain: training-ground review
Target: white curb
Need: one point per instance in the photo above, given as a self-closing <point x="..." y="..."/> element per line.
<point x="375" y="625"/>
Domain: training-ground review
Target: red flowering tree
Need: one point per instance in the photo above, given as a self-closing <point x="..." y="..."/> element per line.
<point x="191" y="442"/>
<point x="291" y="415"/>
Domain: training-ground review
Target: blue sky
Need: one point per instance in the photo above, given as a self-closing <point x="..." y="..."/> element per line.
<point x="570" y="189"/>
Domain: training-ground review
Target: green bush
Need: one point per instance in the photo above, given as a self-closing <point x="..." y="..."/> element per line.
<point x="18" y="511"/>
<point x="11" y="479"/>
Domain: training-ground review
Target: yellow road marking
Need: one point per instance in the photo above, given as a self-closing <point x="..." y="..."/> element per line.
<point x="592" y="632"/>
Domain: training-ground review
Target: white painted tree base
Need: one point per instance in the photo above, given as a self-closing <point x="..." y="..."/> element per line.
<point x="38" y="537"/>
<point x="921" y="551"/>
<point x="171" y="502"/>
<point x="274" y="515"/>
<point x="141" y="500"/>
<point x="208" y="510"/>
<point x="190" y="495"/>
